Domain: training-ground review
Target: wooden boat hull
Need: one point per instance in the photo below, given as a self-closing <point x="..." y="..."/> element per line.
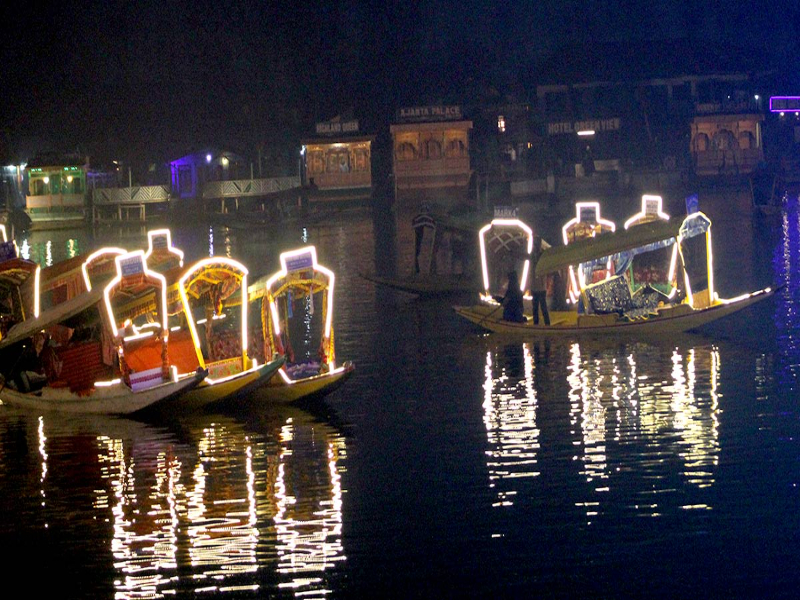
<point x="278" y="390"/>
<point x="114" y="400"/>
<point x="428" y="285"/>
<point x="666" y="321"/>
<point x="208" y="392"/>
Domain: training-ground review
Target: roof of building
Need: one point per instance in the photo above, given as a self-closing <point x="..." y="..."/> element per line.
<point x="640" y="60"/>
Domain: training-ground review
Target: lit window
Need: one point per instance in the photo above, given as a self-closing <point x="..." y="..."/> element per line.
<point x="501" y="124"/>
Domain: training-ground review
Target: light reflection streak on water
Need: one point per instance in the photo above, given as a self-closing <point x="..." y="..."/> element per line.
<point x="787" y="265"/>
<point x="211" y="241"/>
<point x="48" y="261"/>
<point x="25" y="249"/>
<point x="72" y="248"/>
<point x="43" y="455"/>
<point x="585" y="385"/>
<point x="509" y="415"/>
<point x="308" y="533"/>
<point x="222" y="536"/>
<point x="144" y="543"/>
<point x="674" y="416"/>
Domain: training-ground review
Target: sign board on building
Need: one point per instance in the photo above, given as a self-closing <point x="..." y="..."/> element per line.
<point x="335" y="127"/>
<point x="573" y="127"/>
<point x="505" y="212"/>
<point x="784" y="103"/>
<point x="429" y="113"/>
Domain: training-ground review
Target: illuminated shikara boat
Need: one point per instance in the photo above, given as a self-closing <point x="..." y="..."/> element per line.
<point x="19" y="288"/>
<point x="301" y="279"/>
<point x="104" y="364"/>
<point x="441" y="263"/>
<point x="213" y="295"/>
<point x="611" y="307"/>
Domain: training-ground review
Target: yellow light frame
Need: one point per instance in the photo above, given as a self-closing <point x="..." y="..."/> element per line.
<point x="187" y="309"/>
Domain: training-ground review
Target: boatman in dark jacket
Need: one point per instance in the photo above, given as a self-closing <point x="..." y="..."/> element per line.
<point x="539" y="284"/>
<point x="512" y="301"/>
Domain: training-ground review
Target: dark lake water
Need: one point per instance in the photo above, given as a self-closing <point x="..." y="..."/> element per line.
<point x="452" y="464"/>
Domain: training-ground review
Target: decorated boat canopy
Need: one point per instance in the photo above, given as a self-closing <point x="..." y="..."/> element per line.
<point x="638" y="238"/>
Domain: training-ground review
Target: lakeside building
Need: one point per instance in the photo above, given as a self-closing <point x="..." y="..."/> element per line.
<point x="337" y="162"/>
<point x="662" y="106"/>
<point x="431" y="154"/>
<point x="57" y="187"/>
<point x="190" y="173"/>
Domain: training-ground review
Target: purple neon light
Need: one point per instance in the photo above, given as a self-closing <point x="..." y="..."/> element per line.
<point x="784" y="103"/>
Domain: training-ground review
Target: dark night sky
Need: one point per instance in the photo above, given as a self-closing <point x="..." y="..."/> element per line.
<point x="144" y="78"/>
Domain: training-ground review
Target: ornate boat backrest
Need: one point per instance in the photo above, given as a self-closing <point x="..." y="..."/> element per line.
<point x="142" y="347"/>
<point x="100" y="265"/>
<point x="301" y="272"/>
<point x="505" y="245"/>
<point x="586" y="223"/>
<point x="161" y="255"/>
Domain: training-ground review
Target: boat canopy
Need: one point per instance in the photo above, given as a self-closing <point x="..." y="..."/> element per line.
<point x="642" y="238"/>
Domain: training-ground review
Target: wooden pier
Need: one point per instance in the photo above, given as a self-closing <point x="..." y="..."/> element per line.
<point x="126" y="204"/>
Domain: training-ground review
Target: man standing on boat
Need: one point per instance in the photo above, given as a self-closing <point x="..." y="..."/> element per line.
<point x="539" y="283"/>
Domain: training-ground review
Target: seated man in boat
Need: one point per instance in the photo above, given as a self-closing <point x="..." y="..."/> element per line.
<point x="512" y="301"/>
<point x="28" y="373"/>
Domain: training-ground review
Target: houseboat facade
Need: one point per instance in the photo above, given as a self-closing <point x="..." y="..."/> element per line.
<point x="57" y="187"/>
<point x="337" y="162"/>
<point x="431" y="154"/>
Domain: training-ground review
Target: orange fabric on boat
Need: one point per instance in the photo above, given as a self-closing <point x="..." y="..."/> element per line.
<point x="181" y="351"/>
<point x="142" y="355"/>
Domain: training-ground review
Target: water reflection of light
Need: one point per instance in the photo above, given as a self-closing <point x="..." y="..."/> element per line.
<point x="222" y="526"/>
<point x="673" y="412"/>
<point x="509" y="414"/>
<point x="144" y="544"/>
<point x="48" y="261"/>
<point x="43" y="455"/>
<point x="211" y="241"/>
<point x="308" y="534"/>
<point x="25" y="249"/>
<point x="72" y="248"/>
<point x="585" y="394"/>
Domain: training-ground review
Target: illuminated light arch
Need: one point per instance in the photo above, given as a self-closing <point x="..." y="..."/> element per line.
<point x="286" y="268"/>
<point x="575" y="285"/>
<point x="527" y="231"/>
<point x="94" y="257"/>
<point x="129" y="258"/>
<point x="182" y="288"/>
<point x="153" y="244"/>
